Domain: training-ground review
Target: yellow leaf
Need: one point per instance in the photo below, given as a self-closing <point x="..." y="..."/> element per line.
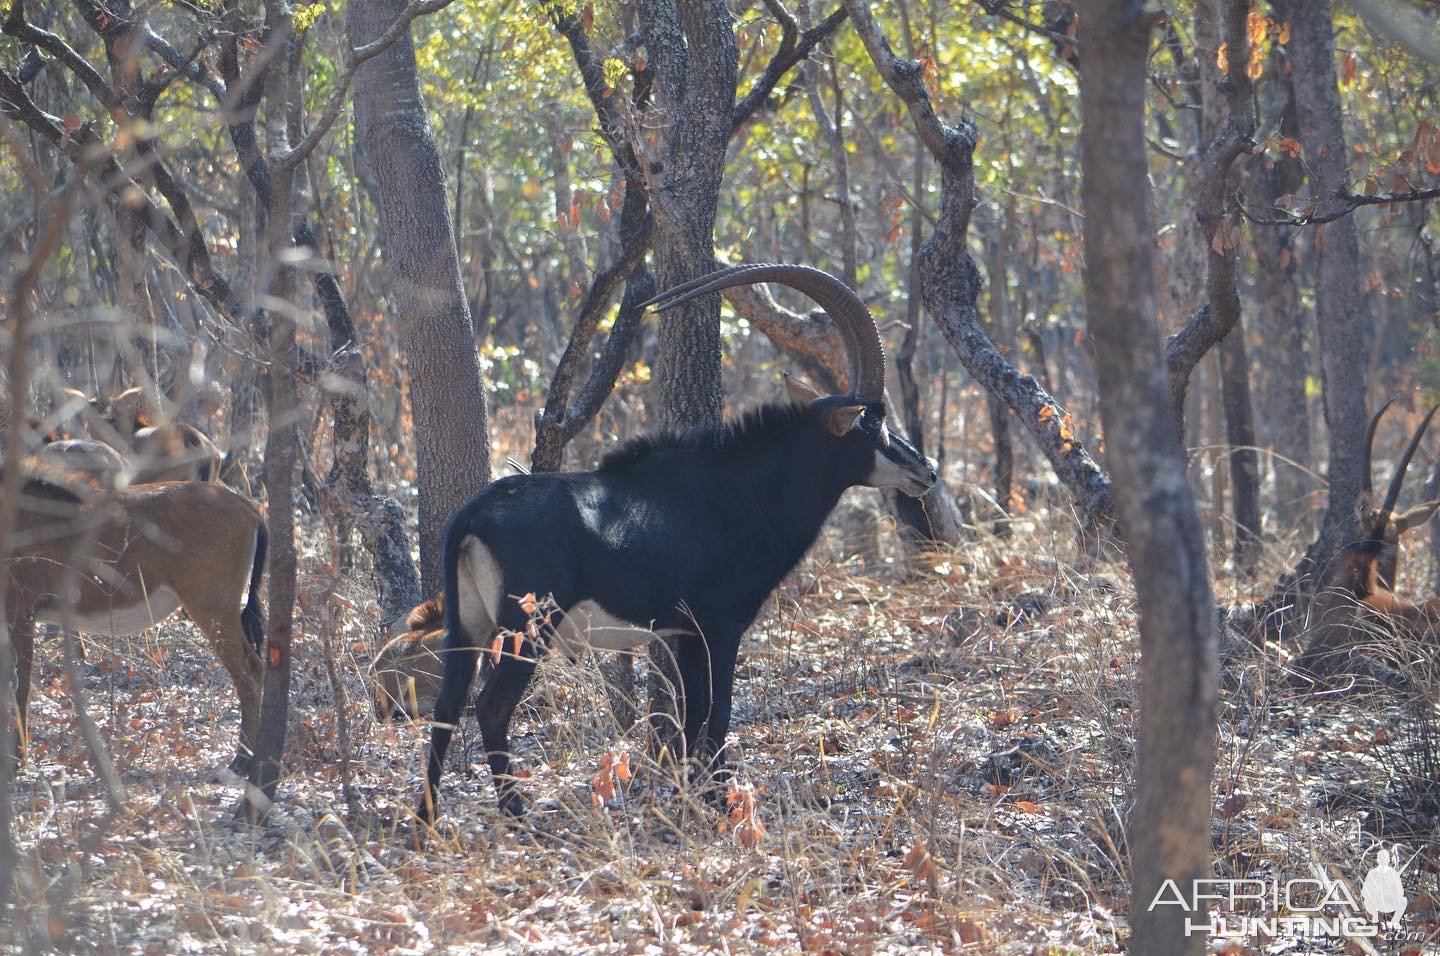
<point x="1284" y="35"/>
<point x="1256" y="68"/>
<point x="1047" y="412"/>
<point x="1222" y="58"/>
<point x="1256" y="25"/>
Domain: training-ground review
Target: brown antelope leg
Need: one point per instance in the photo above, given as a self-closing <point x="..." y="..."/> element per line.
<point x="246" y="670"/>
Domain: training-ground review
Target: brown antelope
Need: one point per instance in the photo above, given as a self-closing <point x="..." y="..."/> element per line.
<point x="409" y="668"/>
<point x="174" y="451"/>
<point x="118" y="563"/>
<point x="1395" y="525"/>
<point x="94" y="461"/>
<point x="1357" y="602"/>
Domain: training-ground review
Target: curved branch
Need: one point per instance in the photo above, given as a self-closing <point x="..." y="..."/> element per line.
<point x="792" y="50"/>
<point x="950" y="281"/>
<point x="1222" y="310"/>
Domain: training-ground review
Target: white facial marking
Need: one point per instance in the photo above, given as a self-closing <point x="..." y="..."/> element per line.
<point x="885" y="473"/>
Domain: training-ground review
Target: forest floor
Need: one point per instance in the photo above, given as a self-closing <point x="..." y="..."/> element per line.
<point x="940" y="759"/>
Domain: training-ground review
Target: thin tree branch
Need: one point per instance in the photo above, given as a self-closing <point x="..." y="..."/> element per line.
<point x="1352" y="201"/>
<point x="791" y="52"/>
<point x="340" y="95"/>
<point x="997" y="8"/>
<point x="17" y="26"/>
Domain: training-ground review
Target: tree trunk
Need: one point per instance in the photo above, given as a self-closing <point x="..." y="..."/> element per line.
<point x="451" y="436"/>
<point x="696" y="59"/>
<point x="692" y="46"/>
<point x="379" y="520"/>
<point x="1228" y="122"/>
<point x="1240" y="437"/>
<point x="1337" y="271"/>
<point x="1284" y="407"/>
<point x="1165" y="545"/>
<point x="281" y="440"/>
<point x="1000" y="332"/>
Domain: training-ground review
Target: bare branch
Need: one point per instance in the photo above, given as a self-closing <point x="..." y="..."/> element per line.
<point x="792" y="50"/>
<point x="340" y="96"/>
<point x="997" y="8"/>
<point x="1351" y="202"/>
<point x="17" y="26"/>
<point x="1222" y="312"/>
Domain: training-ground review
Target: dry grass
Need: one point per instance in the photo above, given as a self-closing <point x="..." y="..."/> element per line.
<point x="940" y="761"/>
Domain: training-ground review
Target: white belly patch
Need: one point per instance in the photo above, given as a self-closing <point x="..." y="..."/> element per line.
<point x="586" y="624"/>
<point x="119" y="619"/>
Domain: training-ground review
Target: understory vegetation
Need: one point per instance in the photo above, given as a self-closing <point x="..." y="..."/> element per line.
<point x="931" y="757"/>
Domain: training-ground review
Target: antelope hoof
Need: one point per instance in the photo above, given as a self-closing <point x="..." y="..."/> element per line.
<point x="511" y="805"/>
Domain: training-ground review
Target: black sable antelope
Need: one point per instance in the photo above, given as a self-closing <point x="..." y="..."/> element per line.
<point x="684" y="534"/>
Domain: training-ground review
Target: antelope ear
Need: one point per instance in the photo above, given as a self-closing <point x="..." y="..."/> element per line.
<point x="1415" y="517"/>
<point x="799" y="392"/>
<point x="837" y="421"/>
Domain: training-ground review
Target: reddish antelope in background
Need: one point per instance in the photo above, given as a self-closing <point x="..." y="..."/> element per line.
<point x="1357" y="604"/>
<point x="408" y="669"/>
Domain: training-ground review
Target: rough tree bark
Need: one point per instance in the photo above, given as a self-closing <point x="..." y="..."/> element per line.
<point x="1170" y="824"/>
<point x="1000" y="327"/>
<point x="380" y="520"/>
<point x="1228" y="121"/>
<point x="276" y="188"/>
<point x="950" y="282"/>
<point x="1337" y="271"/>
<point x="451" y="435"/>
<point x="1284" y="408"/>
<point x="692" y="46"/>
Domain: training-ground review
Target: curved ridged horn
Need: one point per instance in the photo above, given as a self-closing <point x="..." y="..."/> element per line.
<point x="1369" y="486"/>
<point x="1392" y="494"/>
<point x="852" y="317"/>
